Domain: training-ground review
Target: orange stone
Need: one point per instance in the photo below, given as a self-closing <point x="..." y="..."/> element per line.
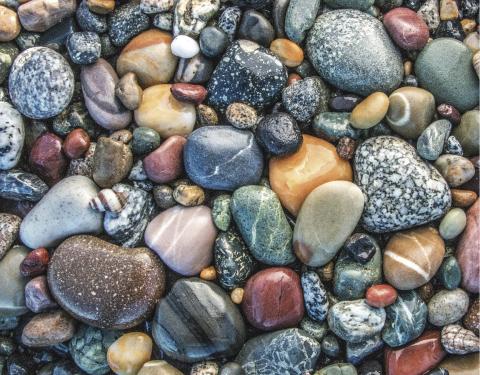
<point x="316" y="162"/>
<point x="289" y="53"/>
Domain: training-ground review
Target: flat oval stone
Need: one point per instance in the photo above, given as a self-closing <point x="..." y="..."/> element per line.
<point x="222" y="158"/>
<point x="49" y="328"/>
<point x="453" y="223"/>
<point x="115" y="288"/>
<point x="364" y="59"/>
<point x="455" y="169"/>
<point x="12" y="298"/>
<point x="467" y="250"/>
<point x="183" y="237"/>
<point x="447" y="307"/>
<point x="401" y="190"/>
<point x="341" y="200"/>
<point x="40" y="15"/>
<point x="12" y="136"/>
<point x="444" y="67"/>
<point x="334" y="125"/>
<point x="370" y="111"/>
<point x="129" y="352"/>
<point x="18" y="185"/>
<point x="294" y="177"/>
<point x="407" y="28"/>
<point x="198" y="321"/>
<point x="40" y="83"/>
<point x="259" y="355"/>
<point x="64" y="211"/>
<point x="381" y="295"/>
<point x="299" y="18"/>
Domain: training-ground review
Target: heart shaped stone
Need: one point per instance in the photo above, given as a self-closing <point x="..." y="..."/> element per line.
<point x="402" y="191"/>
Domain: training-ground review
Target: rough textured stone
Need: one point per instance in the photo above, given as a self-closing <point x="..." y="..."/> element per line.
<point x="12" y="136"/>
<point x="48" y="329"/>
<point x="40" y="15"/>
<point x="9" y="228"/>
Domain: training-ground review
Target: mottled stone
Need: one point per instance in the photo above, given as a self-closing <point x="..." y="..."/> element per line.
<point x="241" y="116"/>
<point x="126" y="22"/>
<point x="196" y="70"/>
<point x="12" y="298"/>
<point x="315" y="296"/>
<point x="334" y="125"/>
<point x="191" y="16"/>
<point x="19" y="186"/>
<point x="40" y="15"/>
<point x="300" y="17"/>
<point x="221" y="215"/>
<point x="112" y="161"/>
<point x="37" y="295"/>
<point x="432" y="140"/>
<point x="447" y="307"/>
<point x="47" y="159"/>
<point x="455" y="169"/>
<point x="12" y="136"/>
<point x="129" y="352"/>
<point x="9" y="228"/>
<point x="357" y="352"/>
<point x="90" y="21"/>
<point x="84" y="47"/>
<point x="48" y="328"/>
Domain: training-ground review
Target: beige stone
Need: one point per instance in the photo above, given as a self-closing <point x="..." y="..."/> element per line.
<point x="129" y="91"/>
<point x="127" y="355"/>
<point x="9" y="24"/>
<point x="448" y="10"/>
<point x="158" y="368"/>
<point x="101" y="6"/>
<point x="370" y="111"/>
<point x="40" y="15"/>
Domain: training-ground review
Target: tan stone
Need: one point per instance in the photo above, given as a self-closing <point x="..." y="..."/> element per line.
<point x="50" y="328"/>
<point x="148" y="55"/>
<point x="316" y="162"/>
<point x="9" y="24"/>
<point x="370" y="111"/>
<point x="462" y="364"/>
<point x="237" y="295"/>
<point x="129" y="91"/>
<point x="101" y="6"/>
<point x="463" y="198"/>
<point x="208" y="273"/>
<point x="472" y="41"/>
<point x="289" y="53"/>
<point x="448" y="10"/>
<point x="127" y="355"/>
<point x="412" y="258"/>
<point x="158" y="368"/>
<point x="407" y="67"/>
<point x="40" y="15"/>
<point x="160" y="111"/>
<point x="468" y="25"/>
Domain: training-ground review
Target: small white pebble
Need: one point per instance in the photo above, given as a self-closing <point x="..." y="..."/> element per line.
<point x="185" y="47"/>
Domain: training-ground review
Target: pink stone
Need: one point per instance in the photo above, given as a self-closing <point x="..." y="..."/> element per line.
<point x="37" y="295"/>
<point x="468" y="250"/>
<point x="47" y="159"/>
<point x="407" y="28"/>
<point x="165" y="164"/>
<point x="183" y="237"/>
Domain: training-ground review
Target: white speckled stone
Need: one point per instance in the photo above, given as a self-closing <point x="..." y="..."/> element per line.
<point x="12" y="136"/>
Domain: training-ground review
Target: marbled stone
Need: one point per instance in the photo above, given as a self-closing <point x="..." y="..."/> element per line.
<point x="221" y="215"/>
<point x="299" y="18"/>
<point x="40" y="15"/>
<point x="432" y="140"/>
<point x="37" y="295"/>
<point x="191" y="16"/>
<point x="12" y="136"/>
<point x="447" y="307"/>
<point x="334" y="125"/>
<point x="48" y="328"/>
<point x="129" y="352"/>
<point x="12" y="298"/>
<point x="18" y="185"/>
<point x="467" y="250"/>
<point x="9" y="228"/>
<point x="112" y="161"/>
<point x="229" y="21"/>
<point x="315" y="296"/>
<point x="126" y="22"/>
<point x="115" y="287"/>
<point x="453" y="146"/>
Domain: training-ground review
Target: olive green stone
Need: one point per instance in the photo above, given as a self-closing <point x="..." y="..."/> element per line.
<point x="221" y="212"/>
<point x="145" y="140"/>
<point x="453" y="223"/>
<point x="450" y="274"/>
<point x="338" y="369"/>
<point x="468" y="132"/>
<point x="12" y="297"/>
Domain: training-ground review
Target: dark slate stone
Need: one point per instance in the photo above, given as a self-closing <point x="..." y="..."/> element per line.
<point x="469" y="8"/>
<point x="357" y="352"/>
<point x="279" y="12"/>
<point x="197" y="70"/>
<point x="279" y="134"/>
<point x="19" y="185"/>
<point x="450" y="274"/>
<point x="56" y="36"/>
<point x="361" y="247"/>
<point x="431" y="142"/>
<point x="252" y="3"/>
<point x="344" y="103"/>
<point x="331" y="346"/>
<point x="370" y="368"/>
<point x="84" y="47"/>
<point x="213" y="41"/>
<point x="450" y="29"/>
<point x="333" y="126"/>
<point x="229" y="21"/>
<point x="126" y="22"/>
<point x="89" y="21"/>
<point x="255" y="27"/>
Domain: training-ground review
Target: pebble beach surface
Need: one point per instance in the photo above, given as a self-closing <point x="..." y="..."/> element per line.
<point x="239" y="187"/>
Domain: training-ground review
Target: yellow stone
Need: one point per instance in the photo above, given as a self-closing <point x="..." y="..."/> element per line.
<point x="160" y="111"/>
<point x="293" y="177"/>
<point x="237" y="295"/>
<point x="289" y="53"/>
<point x="208" y="273"/>
<point x="468" y="25"/>
<point x="370" y="111"/>
<point x="158" y="368"/>
<point x="448" y="10"/>
<point x="128" y="354"/>
<point x="101" y="6"/>
<point x="9" y="24"/>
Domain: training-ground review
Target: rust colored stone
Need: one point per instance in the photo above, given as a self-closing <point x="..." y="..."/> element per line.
<point x="35" y="263"/>
<point x="463" y="198"/>
<point x="165" y="164"/>
<point x="381" y="295"/>
<point x="188" y="92"/>
<point x="47" y="159"/>
<point x="76" y="143"/>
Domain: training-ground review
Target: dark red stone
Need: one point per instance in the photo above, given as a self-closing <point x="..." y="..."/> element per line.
<point x="468" y="250"/>
<point x="47" y="159"/>
<point x="420" y="356"/>
<point x="165" y="164"/>
<point x="76" y="143"/>
<point x="273" y="299"/>
<point x="346" y="148"/>
<point x="35" y="263"/>
<point x="292" y="78"/>
<point x="188" y="92"/>
<point x="407" y="28"/>
<point x="450" y="113"/>
<point x="381" y="295"/>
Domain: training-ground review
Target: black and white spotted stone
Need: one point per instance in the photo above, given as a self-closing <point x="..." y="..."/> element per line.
<point x="453" y="146"/>
<point x="90" y="21"/>
<point x="315" y="296"/>
<point x="401" y="190"/>
<point x="84" y="47"/>
<point x="229" y="21"/>
<point x="12" y="136"/>
<point x="18" y="185"/>
<point x="41" y="83"/>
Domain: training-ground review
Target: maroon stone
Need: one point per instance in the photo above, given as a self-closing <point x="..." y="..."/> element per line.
<point x="407" y="28"/>
<point x="273" y="299"/>
<point x="76" y="143"/>
<point x="165" y="164"/>
<point x="450" y="113"/>
<point x="35" y="263"/>
<point x="47" y="159"/>
<point x="381" y="295"/>
<point x="292" y="78"/>
<point x="188" y="92"/>
<point x="37" y="295"/>
<point x="468" y="250"/>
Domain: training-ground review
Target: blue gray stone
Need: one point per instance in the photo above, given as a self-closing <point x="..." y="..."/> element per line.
<point x="18" y="185"/>
<point x="357" y="352"/>
<point x="330" y="346"/>
<point x="447" y="307"/>
<point x="229" y="21"/>
<point x="126" y="22"/>
<point x="450" y="274"/>
<point x="300" y="17"/>
<point x="362" y="5"/>
<point x="279" y="134"/>
<point x="314" y="296"/>
<point x="333" y="126"/>
<point x="89" y="21"/>
<point x="84" y="47"/>
<point x="431" y="142"/>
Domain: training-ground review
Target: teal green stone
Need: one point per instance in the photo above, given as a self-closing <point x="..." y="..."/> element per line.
<point x="12" y="283"/>
<point x="263" y="224"/>
<point x="300" y="17"/>
<point x="338" y="369"/>
<point x="350" y="4"/>
<point x="450" y="274"/>
<point x="334" y="125"/>
<point x="444" y="67"/>
<point x="468" y="132"/>
<point x="8" y="52"/>
<point x="145" y="140"/>
<point x="75" y="116"/>
<point x="351" y="279"/>
<point x="221" y="214"/>
<point x="406" y="319"/>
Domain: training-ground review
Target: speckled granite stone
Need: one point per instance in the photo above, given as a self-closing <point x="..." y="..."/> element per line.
<point x="9" y="227"/>
<point x="12" y="136"/>
<point x="41" y="83"/>
<point x="84" y="47"/>
<point x="18" y="185"/>
<point x="126" y="22"/>
<point x="402" y="191"/>
<point x="315" y="296"/>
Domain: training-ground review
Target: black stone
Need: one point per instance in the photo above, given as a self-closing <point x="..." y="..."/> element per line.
<point x="20" y="364"/>
<point x="126" y="22"/>
<point x="255" y="27"/>
<point x="360" y="247"/>
<point x="18" y="185"/>
<point x="344" y="103"/>
<point x="410" y="80"/>
<point x="252" y="3"/>
<point x="279" y="134"/>
<point x="438" y="371"/>
<point x="412" y="4"/>
<point x="7" y="346"/>
<point x="213" y="41"/>
<point x="196" y="70"/>
<point x="279" y="12"/>
<point x="330" y="346"/>
<point x="469" y="8"/>
<point x="89" y="21"/>
<point x="450" y="29"/>
<point x="66" y="367"/>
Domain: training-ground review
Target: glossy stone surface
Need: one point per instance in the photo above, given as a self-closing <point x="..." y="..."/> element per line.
<point x="407" y="29"/>
<point x="129" y="352"/>
<point x="114" y="288"/>
<point x="46" y="158"/>
<point x="76" y="143"/>
<point x="381" y="295"/>
<point x="12" y="300"/>
<point x="37" y="295"/>
<point x="299" y="18"/>
<point x="165" y="164"/>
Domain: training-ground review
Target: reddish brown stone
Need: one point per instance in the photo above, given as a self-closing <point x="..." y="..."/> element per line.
<point x="450" y="113"/>
<point x="47" y="159"/>
<point x="165" y="164"/>
<point x="407" y="28"/>
<point x="381" y="295"/>
<point x="292" y="78"/>
<point x="463" y="198"/>
<point x="37" y="295"/>
<point x="188" y="92"/>
<point x="35" y="263"/>
<point x="76" y="143"/>
<point x="417" y="358"/>
<point x="468" y="250"/>
<point x="346" y="148"/>
<point x="273" y="299"/>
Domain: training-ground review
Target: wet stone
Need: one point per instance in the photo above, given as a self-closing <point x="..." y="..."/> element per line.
<point x="357" y="352"/>
<point x="19" y="185"/>
<point x="432" y="140"/>
<point x="255" y="27"/>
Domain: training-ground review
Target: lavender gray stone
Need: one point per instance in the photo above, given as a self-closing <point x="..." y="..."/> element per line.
<point x="18" y="185"/>
<point x="314" y="296"/>
<point x="12" y="136"/>
<point x="432" y="140"/>
<point x="37" y="295"/>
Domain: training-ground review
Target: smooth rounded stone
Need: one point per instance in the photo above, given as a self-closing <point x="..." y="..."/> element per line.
<point x="129" y="352"/>
<point x="213" y="41"/>
<point x="241" y="116"/>
<point x="355" y="321"/>
<point x="144" y="140"/>
<point x="233" y="262"/>
<point x="247" y="73"/>
<point x="344" y="102"/>
<point x="37" y="295"/>
<point x="221" y="215"/>
<point x="158" y="368"/>
<point x="84" y="47"/>
<point x="413" y="257"/>
<point x="163" y="196"/>
<point x="88" y="348"/>
<point x="196" y="70"/>
<point x="467" y="250"/>
<point x="407" y="29"/>
<point x="116" y="288"/>
<point x="256" y="27"/>
<point x="370" y="111"/>
<point x="129" y="91"/>
<point x="90" y="21"/>
<point x="381" y="295"/>
<point x="128" y="226"/>
<point x="450" y="274"/>
<point x="47" y="159"/>
<point x="40" y="15"/>
<point x="411" y="111"/>
<point x="461" y="365"/>
<point x="390" y="173"/>
<point x="406" y="319"/>
<point x="295" y="176"/>
<point x="305" y="98"/>
<point x="449" y="112"/>
<point x="422" y="355"/>
<point x="334" y="125"/>
<point x="190" y="17"/>
<point x="455" y="169"/>
<point x="263" y="225"/>
<point x="453" y="224"/>
<point x="300" y="351"/>
<point x="299" y="18"/>
<point x="432" y="140"/>
<point x="463" y="198"/>
<point x="193" y="306"/>
<point x="18" y="185"/>
<point x="278" y="134"/>
<point x="41" y="82"/>
<point x="315" y="296"/>
<point x="62" y="212"/>
<point x="185" y="252"/>
<point x="9" y="228"/>
<point x="165" y="164"/>
<point x="12" y="300"/>
<point x="444" y="68"/>
<point x="363" y="5"/>
<point x="10" y="27"/>
<point x="330" y="346"/>
<point x="315" y="329"/>
<point x="468" y="132"/>
<point x="447" y="307"/>
<point x="189" y="195"/>
<point x="357" y="352"/>
<point x="126" y="22"/>
<point x="352" y="279"/>
<point x="341" y="200"/>
<point x="35" y="263"/>
<point x="12" y="136"/>
<point x="365" y="59"/>
<point x="222" y="158"/>
<point x="112" y="161"/>
<point x="190" y="93"/>
<point x="48" y="328"/>
<point x="290" y="53"/>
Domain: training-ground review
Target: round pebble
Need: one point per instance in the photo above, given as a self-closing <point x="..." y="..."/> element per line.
<point x="370" y="111"/>
<point x="453" y="223"/>
<point x="184" y="47"/>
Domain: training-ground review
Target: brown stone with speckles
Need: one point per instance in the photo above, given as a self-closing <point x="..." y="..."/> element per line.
<point x="49" y="328"/>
